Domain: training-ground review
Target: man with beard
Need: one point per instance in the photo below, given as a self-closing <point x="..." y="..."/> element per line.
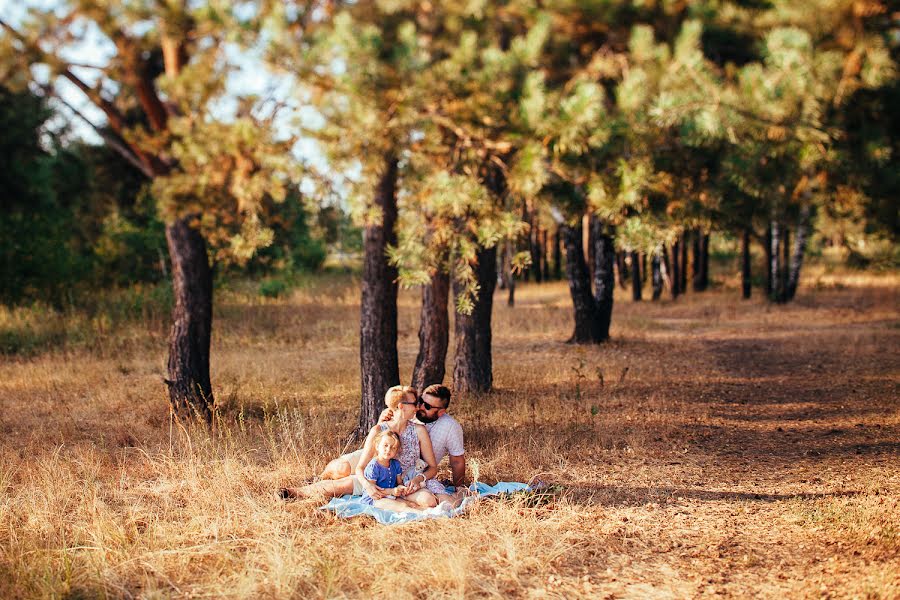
<point x="446" y="439"/>
<point x="445" y="432"/>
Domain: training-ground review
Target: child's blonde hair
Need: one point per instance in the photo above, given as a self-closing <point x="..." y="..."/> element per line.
<point x="388" y="433"/>
<point x="394" y="396"/>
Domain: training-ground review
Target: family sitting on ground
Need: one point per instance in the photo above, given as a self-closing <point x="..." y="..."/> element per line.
<point x="396" y="468"/>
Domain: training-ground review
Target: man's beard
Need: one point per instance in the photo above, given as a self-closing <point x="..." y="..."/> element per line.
<point x="423" y="417"/>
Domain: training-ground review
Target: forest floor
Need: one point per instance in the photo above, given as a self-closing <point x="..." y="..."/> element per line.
<point x="714" y="447"/>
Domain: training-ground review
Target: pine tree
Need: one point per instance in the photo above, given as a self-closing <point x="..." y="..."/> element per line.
<point x="209" y="172"/>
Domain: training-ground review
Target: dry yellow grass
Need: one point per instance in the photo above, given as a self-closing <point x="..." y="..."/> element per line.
<point x="749" y="450"/>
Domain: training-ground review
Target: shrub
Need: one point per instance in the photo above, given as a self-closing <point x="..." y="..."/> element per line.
<point x="272" y="288"/>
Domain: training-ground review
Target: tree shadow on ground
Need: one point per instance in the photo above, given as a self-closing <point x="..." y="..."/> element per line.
<point x="626" y="496"/>
<point x="761" y="356"/>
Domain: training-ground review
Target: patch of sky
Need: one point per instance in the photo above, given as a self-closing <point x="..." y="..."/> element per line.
<point x="280" y="94"/>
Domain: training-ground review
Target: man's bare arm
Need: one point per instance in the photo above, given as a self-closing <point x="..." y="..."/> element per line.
<point x="458" y="467"/>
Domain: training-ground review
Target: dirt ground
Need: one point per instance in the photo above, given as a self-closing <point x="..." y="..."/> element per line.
<point x="713" y="448"/>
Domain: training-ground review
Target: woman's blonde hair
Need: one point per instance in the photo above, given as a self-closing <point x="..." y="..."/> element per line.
<point x="394" y="396"/>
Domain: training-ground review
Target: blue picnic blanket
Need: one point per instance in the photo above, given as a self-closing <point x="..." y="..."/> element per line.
<point x="353" y="506"/>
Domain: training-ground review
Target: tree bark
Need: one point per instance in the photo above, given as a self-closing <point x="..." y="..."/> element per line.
<point x="557" y="255"/>
<point x="785" y="260"/>
<point x="799" y="251"/>
<point x="636" y="283"/>
<point x="701" y="256"/>
<point x="528" y="271"/>
<point x="746" y="286"/>
<point x="545" y="254"/>
<point x="621" y="269"/>
<point x="656" y="276"/>
<point x="604" y="279"/>
<point x="502" y="271"/>
<point x="767" y="248"/>
<point x="434" y="332"/>
<point x="190" y="390"/>
<point x="666" y="266"/>
<point x="704" y="261"/>
<point x="684" y="262"/>
<point x="676" y="269"/>
<point x="579" y="285"/>
<point x="508" y="276"/>
<point x="378" y="314"/>
<point x="775" y="258"/>
<point x="473" y="368"/>
<point x="536" y="260"/>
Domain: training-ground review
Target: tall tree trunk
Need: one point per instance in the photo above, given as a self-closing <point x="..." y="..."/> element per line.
<point x="621" y="269"/>
<point x="510" y="276"/>
<point x="528" y="271"/>
<point x="434" y="332"/>
<point x="644" y="270"/>
<point x="536" y="250"/>
<point x="767" y="248"/>
<point x="589" y="244"/>
<point x="799" y="251"/>
<point x="473" y="368"/>
<point x="704" y="260"/>
<point x="656" y="276"/>
<point x="604" y="279"/>
<point x="745" y="265"/>
<point x="378" y="313"/>
<point x="697" y="280"/>
<point x="190" y="389"/>
<point x="785" y="260"/>
<point x="557" y="255"/>
<point x="666" y="266"/>
<point x="676" y="269"/>
<point x="545" y="254"/>
<point x="684" y="261"/>
<point x="636" y="283"/>
<point x="502" y="272"/>
<point x="775" y="257"/>
<point x="579" y="284"/>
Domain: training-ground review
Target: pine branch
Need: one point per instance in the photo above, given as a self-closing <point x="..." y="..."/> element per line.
<point x="111" y="140"/>
<point x="469" y="140"/>
<point x="115" y="118"/>
<point x="150" y="165"/>
<point x="138" y="76"/>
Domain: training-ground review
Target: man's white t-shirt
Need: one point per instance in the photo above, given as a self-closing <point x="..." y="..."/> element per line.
<point x="446" y="437"/>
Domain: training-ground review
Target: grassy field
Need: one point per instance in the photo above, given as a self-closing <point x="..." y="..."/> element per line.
<point x="713" y="448"/>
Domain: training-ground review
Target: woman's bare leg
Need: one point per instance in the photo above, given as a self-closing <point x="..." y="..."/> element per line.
<point x="323" y="490"/>
<point x="422" y="498"/>
<point x="336" y="469"/>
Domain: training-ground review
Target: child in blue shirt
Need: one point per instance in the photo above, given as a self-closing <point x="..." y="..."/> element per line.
<point x="385" y="471"/>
